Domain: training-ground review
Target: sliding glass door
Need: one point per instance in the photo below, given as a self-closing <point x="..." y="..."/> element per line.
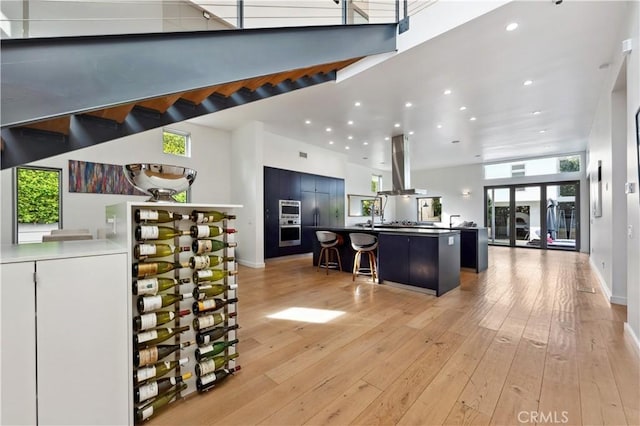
<point x="542" y="215"/>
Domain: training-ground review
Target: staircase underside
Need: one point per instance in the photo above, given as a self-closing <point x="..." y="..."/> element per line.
<point x="63" y="94"/>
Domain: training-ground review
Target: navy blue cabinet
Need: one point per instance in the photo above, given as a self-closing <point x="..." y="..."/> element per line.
<point x="322" y="204"/>
<point x="393" y="255"/>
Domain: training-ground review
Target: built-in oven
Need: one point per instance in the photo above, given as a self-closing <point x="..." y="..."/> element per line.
<point x="290" y="231"/>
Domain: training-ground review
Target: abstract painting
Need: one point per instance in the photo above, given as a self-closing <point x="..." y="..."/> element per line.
<point x="99" y="178"/>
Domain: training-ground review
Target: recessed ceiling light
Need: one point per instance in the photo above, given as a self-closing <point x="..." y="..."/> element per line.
<point x="307" y="121"/>
<point x="408" y="104"/>
<point x="456" y="141"/>
<point x="346" y="147"/>
<point x="447" y="92"/>
<point x="350" y="122"/>
<point x="439" y="126"/>
<point x="365" y="143"/>
<point x="411" y="132"/>
<point x="512" y="26"/>
<point x="396" y="125"/>
<point x="472" y="119"/>
<point x="330" y="142"/>
<point x="357" y="103"/>
<point x="349" y="137"/>
<point x="387" y="138"/>
<point x="542" y="131"/>
<point x="328" y="129"/>
<point x="462" y="108"/>
<point x="535" y="112"/>
<point x="528" y="82"/>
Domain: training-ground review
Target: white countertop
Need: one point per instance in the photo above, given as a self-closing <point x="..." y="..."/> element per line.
<point x="13" y="253"/>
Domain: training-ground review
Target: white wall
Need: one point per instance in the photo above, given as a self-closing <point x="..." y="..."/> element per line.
<point x="247" y="187"/>
<point x="605" y="230"/>
<point x="448" y="183"/>
<point x="210" y="152"/>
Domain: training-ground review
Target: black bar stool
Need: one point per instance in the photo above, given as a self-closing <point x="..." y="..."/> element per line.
<point x="364" y="243"/>
<point x="329" y="241"/>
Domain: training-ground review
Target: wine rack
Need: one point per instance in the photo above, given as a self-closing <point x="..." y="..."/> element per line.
<point x="180" y="286"/>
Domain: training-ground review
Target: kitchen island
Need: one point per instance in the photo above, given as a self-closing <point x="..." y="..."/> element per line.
<point x="425" y="259"/>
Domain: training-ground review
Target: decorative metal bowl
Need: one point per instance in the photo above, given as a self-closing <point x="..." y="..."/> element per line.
<point x="162" y="181"/>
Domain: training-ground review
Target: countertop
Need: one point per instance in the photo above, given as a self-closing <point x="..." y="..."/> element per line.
<point x="411" y="230"/>
<point x="13" y="253"/>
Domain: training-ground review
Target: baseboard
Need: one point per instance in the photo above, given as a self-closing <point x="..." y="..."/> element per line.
<point x="618" y="300"/>
<point x="253" y="265"/>
<point x="606" y="293"/>
<point x="634" y="337"/>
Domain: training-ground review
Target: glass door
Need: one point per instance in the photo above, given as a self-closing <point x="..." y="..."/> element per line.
<point x="543" y="215"/>
<point x="561" y="216"/>
<point x="498" y="216"/>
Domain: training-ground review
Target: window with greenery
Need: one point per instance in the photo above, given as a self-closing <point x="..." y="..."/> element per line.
<point x="38" y="203"/>
<point x="176" y="143"/>
<point x="533" y="167"/>
<point x="569" y="164"/>
<point x="376" y="183"/>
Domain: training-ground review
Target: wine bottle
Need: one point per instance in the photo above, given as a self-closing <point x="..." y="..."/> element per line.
<point x="152" y="232"/>
<point x="209" y="217"/>
<point x="206" y="231"/>
<point x="156" y="285"/>
<point x="213" y="349"/>
<point x="204" y="337"/>
<point x="157" y="370"/>
<point x="150" y="355"/>
<point x="157" y="387"/>
<point x="143" y="413"/>
<point x="210" y="365"/>
<point x="207" y="275"/>
<point x="206" y="321"/>
<point x="145" y="269"/>
<point x="152" y="303"/>
<point x="211" y="304"/>
<point x="208" y="246"/>
<point x="154" y="319"/>
<point x="157" y="250"/>
<point x="157" y="216"/>
<point x="210" y="380"/>
<point x="159" y="335"/>
<point x="204" y="262"/>
<point x="211" y="290"/>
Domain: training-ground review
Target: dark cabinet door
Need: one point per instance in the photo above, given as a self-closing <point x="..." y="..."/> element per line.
<point x="271" y="188"/>
<point x="323" y="184"/>
<point x="336" y="194"/>
<point x="393" y="255"/>
<point x="423" y="262"/>
<point x="323" y="209"/>
<point x="289" y="185"/>
<point x="308" y="218"/>
<point x="307" y="182"/>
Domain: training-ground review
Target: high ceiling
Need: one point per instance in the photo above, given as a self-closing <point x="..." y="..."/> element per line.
<point x="565" y="50"/>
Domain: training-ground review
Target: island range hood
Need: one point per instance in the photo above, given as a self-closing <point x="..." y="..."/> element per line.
<point x="400" y="169"/>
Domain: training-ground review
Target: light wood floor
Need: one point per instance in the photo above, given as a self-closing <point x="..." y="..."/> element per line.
<point x="515" y="344"/>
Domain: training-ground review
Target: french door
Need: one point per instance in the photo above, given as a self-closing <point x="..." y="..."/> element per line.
<point x="541" y="215"/>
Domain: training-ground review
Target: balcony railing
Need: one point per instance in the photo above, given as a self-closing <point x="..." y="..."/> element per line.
<point x="55" y="18"/>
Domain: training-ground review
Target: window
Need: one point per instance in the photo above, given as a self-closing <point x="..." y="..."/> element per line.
<point x="376" y="183"/>
<point x="176" y="143"/>
<point x="38" y="203"/>
<point x="533" y="167"/>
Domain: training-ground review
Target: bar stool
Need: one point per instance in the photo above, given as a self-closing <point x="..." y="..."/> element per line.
<point x="364" y="243"/>
<point x="329" y="241"/>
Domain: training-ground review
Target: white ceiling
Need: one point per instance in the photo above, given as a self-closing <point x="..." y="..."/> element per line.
<point x="561" y="48"/>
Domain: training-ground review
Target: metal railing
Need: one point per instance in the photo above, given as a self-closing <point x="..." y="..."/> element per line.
<point x="54" y="18"/>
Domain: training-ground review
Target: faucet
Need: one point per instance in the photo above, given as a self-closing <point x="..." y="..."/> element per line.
<point x="373" y="215"/>
<point x="450" y="221"/>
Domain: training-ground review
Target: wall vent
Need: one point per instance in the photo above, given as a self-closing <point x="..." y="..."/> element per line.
<point x="303" y="154"/>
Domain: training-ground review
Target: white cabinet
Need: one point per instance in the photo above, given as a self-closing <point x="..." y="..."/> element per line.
<point x="65" y="350"/>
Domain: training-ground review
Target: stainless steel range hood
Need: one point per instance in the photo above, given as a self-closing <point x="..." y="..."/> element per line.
<point x="401" y="169"/>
